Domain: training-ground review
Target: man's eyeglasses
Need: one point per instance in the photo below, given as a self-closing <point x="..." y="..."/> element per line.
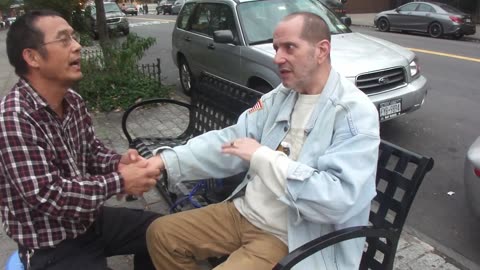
<point x="66" y="40"/>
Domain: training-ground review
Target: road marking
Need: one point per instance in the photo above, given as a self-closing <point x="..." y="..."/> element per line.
<point x="151" y="19"/>
<point x="148" y="23"/>
<point x="446" y="55"/>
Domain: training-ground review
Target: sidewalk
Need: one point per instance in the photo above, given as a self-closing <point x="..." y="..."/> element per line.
<point x="366" y="19"/>
<point x="413" y="253"/>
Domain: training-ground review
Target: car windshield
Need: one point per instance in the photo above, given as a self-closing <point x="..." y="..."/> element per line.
<point x="259" y="18"/>
<point x="109" y="8"/>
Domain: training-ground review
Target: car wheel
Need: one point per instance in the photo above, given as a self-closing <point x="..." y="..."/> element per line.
<point x="186" y="77"/>
<point x="383" y="25"/>
<point x="126" y="31"/>
<point x="435" y="30"/>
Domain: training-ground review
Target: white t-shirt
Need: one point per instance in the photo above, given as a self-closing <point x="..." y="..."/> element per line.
<point x="260" y="205"/>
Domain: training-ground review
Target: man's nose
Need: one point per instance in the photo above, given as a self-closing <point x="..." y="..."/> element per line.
<point x="278" y="59"/>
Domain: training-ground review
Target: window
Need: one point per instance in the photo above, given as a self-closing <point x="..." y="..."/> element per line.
<point x="212" y="17"/>
<point x="182" y="20"/>
<point x="408" y="7"/>
<point x="425" y="8"/>
<point x="201" y="19"/>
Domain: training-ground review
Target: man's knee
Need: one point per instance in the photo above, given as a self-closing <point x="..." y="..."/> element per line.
<point x="156" y="231"/>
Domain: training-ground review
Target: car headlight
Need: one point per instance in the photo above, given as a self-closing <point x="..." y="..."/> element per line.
<point x="414" y="68"/>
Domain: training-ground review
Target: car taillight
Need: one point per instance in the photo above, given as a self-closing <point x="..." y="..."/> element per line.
<point x="456" y="19"/>
<point x="477" y="172"/>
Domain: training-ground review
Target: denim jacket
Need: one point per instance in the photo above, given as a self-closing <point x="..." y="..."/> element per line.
<point x="329" y="187"/>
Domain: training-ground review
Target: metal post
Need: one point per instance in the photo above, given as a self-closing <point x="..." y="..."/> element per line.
<point x="159" y="74"/>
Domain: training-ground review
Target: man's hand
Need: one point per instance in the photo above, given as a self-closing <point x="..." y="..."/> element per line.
<point x="243" y="148"/>
<point x="132" y="156"/>
<point x="156" y="162"/>
<point x="138" y="180"/>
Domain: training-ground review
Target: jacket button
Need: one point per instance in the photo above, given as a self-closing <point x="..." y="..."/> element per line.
<point x="285" y="129"/>
<point x="248" y="176"/>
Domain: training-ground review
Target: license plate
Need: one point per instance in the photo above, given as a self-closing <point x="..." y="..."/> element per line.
<point x="390" y="109"/>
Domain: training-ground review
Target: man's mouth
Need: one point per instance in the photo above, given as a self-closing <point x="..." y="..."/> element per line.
<point x="285" y="71"/>
<point x="75" y="63"/>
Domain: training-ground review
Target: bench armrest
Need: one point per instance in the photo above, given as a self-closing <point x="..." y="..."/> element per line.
<point x="144" y="103"/>
<point x="332" y="238"/>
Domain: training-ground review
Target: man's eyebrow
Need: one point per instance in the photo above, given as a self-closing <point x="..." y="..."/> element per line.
<point x="62" y="33"/>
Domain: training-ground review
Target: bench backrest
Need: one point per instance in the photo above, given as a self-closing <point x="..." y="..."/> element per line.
<point x="217" y="103"/>
<point x="399" y="175"/>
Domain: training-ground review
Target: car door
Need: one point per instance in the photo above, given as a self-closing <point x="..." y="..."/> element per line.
<point x="219" y="59"/>
<point x="423" y="17"/>
<point x="403" y="17"/>
<point x="182" y="36"/>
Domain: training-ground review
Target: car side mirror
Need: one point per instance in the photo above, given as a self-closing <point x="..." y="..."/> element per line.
<point x="346" y="20"/>
<point x="223" y="36"/>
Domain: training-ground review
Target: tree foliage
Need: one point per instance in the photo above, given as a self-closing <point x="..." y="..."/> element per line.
<point x="5" y="4"/>
<point x="64" y="7"/>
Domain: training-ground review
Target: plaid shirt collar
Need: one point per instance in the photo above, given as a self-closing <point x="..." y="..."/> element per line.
<point x="37" y="101"/>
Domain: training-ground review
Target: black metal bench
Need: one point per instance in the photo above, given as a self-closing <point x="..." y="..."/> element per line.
<point x="217" y="103"/>
<point x="399" y="176"/>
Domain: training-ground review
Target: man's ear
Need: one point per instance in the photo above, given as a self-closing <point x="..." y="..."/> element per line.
<point x="323" y="50"/>
<point x="31" y="57"/>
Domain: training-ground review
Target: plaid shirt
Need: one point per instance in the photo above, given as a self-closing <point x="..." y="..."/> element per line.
<point x="55" y="174"/>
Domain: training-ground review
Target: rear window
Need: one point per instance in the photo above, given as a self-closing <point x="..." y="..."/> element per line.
<point x="450" y="9"/>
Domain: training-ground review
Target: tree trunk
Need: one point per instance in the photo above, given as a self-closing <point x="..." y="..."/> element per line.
<point x="101" y="23"/>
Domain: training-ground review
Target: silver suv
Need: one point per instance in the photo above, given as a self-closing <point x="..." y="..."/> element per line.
<point x="233" y="39"/>
<point x="116" y="19"/>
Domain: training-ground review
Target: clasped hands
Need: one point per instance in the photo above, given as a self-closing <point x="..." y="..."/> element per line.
<point x="141" y="174"/>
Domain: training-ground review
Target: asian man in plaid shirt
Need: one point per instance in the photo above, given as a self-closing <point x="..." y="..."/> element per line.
<point x="56" y="175"/>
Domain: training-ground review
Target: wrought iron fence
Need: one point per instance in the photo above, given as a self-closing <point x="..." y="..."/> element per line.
<point x="95" y="59"/>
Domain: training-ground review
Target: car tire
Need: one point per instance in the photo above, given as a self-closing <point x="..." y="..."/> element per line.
<point x="126" y="31"/>
<point x="186" y="76"/>
<point x="435" y="30"/>
<point x="383" y="25"/>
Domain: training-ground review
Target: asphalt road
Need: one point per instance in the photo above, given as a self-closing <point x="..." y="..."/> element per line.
<point x="444" y="128"/>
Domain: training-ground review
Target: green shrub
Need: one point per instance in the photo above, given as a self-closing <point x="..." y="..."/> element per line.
<point x="112" y="79"/>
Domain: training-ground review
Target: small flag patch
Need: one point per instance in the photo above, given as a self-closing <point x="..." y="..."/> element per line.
<point x="257" y="107"/>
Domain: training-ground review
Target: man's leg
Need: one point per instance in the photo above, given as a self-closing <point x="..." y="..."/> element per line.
<point x="83" y="252"/>
<point x="260" y="250"/>
<point x="177" y="241"/>
<point x="123" y="232"/>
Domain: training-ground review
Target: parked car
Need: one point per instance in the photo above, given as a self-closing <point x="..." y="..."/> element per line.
<point x="435" y="19"/>
<point x="336" y="6"/>
<point x="233" y="39"/>
<point x="471" y="176"/>
<point x="177" y="6"/>
<point x="165" y="6"/>
<point x="116" y="19"/>
<point x="130" y="9"/>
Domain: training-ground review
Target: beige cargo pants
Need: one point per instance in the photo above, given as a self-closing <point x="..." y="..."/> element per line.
<point x="178" y="241"/>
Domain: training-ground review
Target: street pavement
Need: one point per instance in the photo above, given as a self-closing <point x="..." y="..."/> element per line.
<point x="413" y="251"/>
